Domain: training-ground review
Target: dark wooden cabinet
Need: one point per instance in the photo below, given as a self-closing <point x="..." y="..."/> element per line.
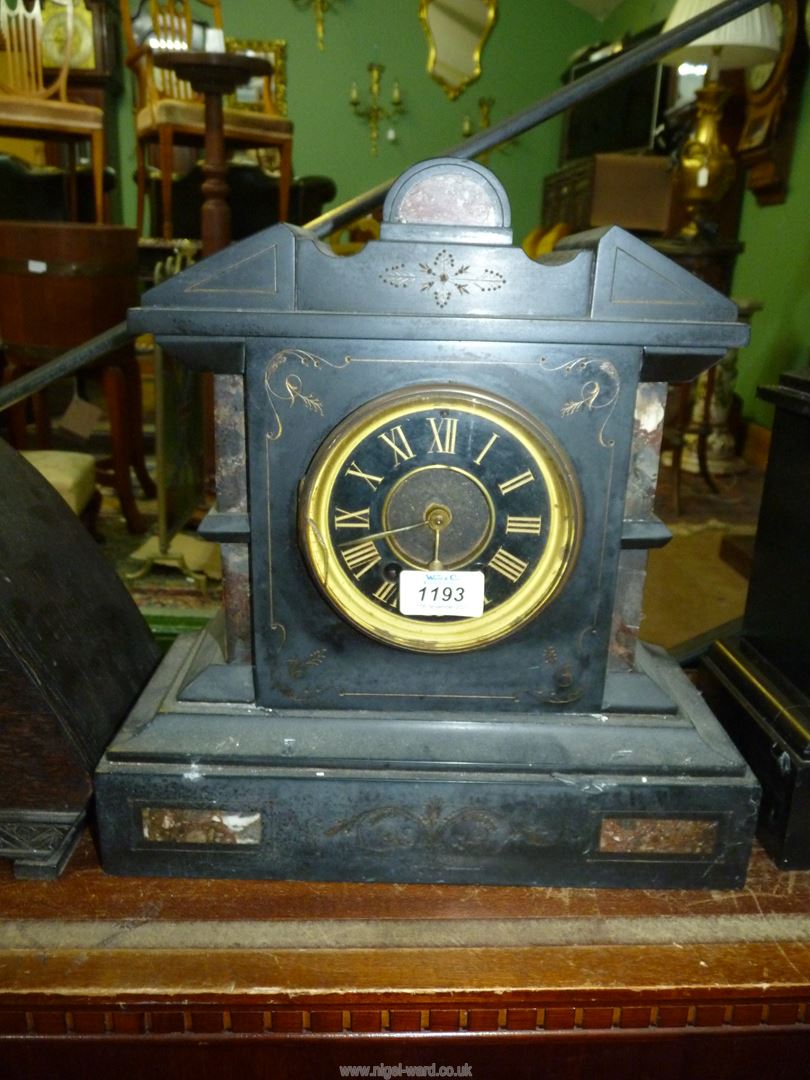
<point x="758" y="681"/>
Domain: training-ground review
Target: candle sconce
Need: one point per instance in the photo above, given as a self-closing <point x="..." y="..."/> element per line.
<point x="484" y="121"/>
<point x="375" y="112"/>
<point x="320" y="7"/>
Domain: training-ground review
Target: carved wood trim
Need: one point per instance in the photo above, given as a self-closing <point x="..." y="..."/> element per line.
<point x="379" y="1017"/>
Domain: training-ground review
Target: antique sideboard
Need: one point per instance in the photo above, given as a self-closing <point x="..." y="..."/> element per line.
<point x="164" y="977"/>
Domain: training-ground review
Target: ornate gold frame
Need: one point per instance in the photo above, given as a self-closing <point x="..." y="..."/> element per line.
<point x="276" y="53"/>
<point x="453" y="90"/>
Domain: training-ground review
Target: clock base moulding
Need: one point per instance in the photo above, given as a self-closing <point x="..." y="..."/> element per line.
<point x="221" y="789"/>
<point x="436" y="403"/>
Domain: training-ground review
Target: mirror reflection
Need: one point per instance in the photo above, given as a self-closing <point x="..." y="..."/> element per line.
<point x="456" y="31"/>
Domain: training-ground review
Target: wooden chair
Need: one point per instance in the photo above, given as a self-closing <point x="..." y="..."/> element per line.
<point x="169" y="113"/>
<point x="62" y="283"/>
<point x="30" y="108"/>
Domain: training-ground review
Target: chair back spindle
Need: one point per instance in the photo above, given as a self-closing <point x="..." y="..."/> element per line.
<point x="30" y="108"/>
<point x="171" y="29"/>
<point x="21" y="31"/>
<point x="170" y="114"/>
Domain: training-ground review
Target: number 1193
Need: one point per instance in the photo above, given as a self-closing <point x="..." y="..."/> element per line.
<point x="445" y="594"/>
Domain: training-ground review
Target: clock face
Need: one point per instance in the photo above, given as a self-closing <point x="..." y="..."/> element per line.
<point x="438" y="519"/>
<point x="55" y="37"/>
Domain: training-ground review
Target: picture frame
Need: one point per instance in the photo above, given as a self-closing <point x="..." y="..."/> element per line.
<point x="251" y="96"/>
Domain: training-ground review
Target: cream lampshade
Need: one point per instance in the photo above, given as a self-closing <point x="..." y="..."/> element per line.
<point x="749" y="39"/>
<point x="706" y="167"/>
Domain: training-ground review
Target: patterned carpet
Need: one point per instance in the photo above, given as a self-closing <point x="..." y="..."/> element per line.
<point x="735" y="506"/>
<point x="692" y="588"/>
<point x="163" y="587"/>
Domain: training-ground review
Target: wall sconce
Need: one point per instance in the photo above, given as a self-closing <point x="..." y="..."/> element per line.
<point x="484" y="117"/>
<point x="374" y="112"/>
<point x="321" y="7"/>
<point x="484" y="121"/>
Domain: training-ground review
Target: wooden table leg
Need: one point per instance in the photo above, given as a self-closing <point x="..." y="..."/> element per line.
<point x="216" y="213"/>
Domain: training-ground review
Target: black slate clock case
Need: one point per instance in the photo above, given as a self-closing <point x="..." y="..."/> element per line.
<point x="283" y="741"/>
<point x="355" y="670"/>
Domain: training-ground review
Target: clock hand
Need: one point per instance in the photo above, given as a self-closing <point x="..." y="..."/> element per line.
<point x="387" y="532"/>
<point x="437" y="522"/>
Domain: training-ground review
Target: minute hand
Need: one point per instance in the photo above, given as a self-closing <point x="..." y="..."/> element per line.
<point x="387" y="532"/>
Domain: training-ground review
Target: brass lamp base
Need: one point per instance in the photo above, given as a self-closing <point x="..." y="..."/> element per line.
<point x="706" y="167"/>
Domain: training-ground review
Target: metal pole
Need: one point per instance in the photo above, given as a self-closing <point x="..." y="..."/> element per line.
<point x="580" y="90"/>
<point x="66" y="364"/>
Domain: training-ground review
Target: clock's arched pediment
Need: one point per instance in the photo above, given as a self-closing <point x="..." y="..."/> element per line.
<point x="445" y="254"/>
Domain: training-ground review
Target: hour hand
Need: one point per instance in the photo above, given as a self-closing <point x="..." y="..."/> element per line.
<point x="436" y="523"/>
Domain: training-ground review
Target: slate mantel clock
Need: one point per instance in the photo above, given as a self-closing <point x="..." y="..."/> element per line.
<point x="436" y="462"/>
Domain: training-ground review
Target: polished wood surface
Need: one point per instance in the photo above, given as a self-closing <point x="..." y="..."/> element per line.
<point x="61" y="284"/>
<point x="317" y="974"/>
<point x="85" y="892"/>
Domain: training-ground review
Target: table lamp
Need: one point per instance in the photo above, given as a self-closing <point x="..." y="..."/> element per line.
<point x="706" y="166"/>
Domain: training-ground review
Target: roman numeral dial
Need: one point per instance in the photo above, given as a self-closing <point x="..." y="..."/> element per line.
<point x="362" y="557"/>
<point x="444" y="432"/>
<point x="508" y="565"/>
<point x="397" y="441"/>
<point x="441" y="481"/>
<point x="352" y="519"/>
<point x="517" y="524"/>
<point x="526" y="477"/>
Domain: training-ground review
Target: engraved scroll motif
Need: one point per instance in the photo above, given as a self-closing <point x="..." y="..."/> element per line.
<point x="600" y="391"/>
<point x="290" y="389"/>
<point x="298" y="668"/>
<point x="445" y="278"/>
<point x="470" y="831"/>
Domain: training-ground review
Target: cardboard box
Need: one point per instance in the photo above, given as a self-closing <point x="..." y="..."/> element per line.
<point x="634" y="191"/>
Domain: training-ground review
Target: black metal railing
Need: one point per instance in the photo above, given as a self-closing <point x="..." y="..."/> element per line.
<point x="571" y="94"/>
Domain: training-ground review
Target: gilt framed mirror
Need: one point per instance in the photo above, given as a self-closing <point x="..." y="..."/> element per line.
<point x="456" y="31"/>
<point x="251" y="95"/>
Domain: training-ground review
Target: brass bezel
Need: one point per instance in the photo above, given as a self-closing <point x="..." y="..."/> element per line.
<point x="541" y="585"/>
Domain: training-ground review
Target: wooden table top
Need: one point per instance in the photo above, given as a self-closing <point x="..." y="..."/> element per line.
<point x="90" y="934"/>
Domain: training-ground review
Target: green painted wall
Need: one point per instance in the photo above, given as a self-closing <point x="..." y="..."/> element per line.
<point x="528" y="48"/>
<point x="530" y="45"/>
<point x="775" y="265"/>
